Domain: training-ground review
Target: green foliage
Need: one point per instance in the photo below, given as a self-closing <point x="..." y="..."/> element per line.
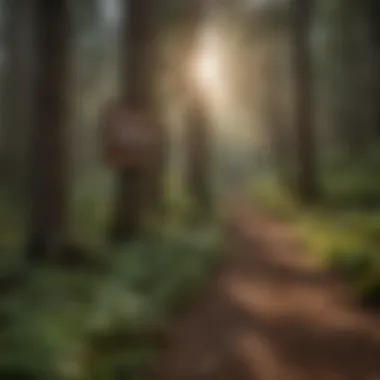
<point x="344" y="230"/>
<point x="274" y="198"/>
<point x="352" y="181"/>
<point x="78" y="325"/>
<point x="91" y="207"/>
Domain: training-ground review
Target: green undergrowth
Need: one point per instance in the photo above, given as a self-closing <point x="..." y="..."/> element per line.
<point x="80" y="324"/>
<point x="75" y="324"/>
<point x="342" y="231"/>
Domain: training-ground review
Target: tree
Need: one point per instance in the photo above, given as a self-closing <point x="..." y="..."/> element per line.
<point x="48" y="161"/>
<point x="198" y="159"/>
<point x="197" y="124"/>
<point x="137" y="191"/>
<point x="373" y="11"/>
<point x="347" y="62"/>
<point x="306" y="174"/>
<point x="16" y="90"/>
<point x="274" y="94"/>
<point x="353" y="57"/>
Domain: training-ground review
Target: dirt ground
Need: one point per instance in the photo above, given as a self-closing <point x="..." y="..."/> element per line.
<point x="272" y="315"/>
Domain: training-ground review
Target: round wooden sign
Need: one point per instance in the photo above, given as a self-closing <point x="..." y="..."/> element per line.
<point x="130" y="137"/>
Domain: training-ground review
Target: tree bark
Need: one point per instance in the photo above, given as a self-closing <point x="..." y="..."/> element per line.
<point x="306" y="175"/>
<point x="196" y="125"/>
<point x="137" y="68"/>
<point x="356" y="123"/>
<point x="273" y="100"/>
<point x="198" y="157"/>
<point x="15" y="96"/>
<point x="373" y="10"/>
<point x="48" y="160"/>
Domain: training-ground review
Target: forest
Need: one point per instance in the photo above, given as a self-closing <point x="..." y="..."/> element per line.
<point x="189" y="190"/>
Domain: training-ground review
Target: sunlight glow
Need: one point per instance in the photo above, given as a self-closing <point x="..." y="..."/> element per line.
<point x="207" y="68"/>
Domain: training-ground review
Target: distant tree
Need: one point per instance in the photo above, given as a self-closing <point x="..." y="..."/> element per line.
<point x="373" y="11"/>
<point x="348" y="67"/>
<point x="353" y="56"/>
<point x="138" y="193"/>
<point x="307" y="181"/>
<point x="48" y="160"/>
<point x="196" y="124"/>
<point x="197" y="147"/>
<point x="275" y="72"/>
<point x="16" y="89"/>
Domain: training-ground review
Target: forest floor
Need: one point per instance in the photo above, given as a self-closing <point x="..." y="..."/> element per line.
<point x="271" y="314"/>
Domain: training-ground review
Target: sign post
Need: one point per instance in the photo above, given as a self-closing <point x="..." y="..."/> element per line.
<point x="131" y="147"/>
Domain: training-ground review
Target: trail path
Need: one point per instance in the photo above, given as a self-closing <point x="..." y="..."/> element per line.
<point x="272" y="315"/>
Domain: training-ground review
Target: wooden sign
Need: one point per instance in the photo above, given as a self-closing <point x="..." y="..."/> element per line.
<point x="130" y="137"/>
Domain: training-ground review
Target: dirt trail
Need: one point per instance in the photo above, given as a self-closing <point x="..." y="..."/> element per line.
<point x="271" y="315"/>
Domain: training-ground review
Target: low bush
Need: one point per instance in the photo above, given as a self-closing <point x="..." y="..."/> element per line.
<point x="343" y="230"/>
<point x="74" y="325"/>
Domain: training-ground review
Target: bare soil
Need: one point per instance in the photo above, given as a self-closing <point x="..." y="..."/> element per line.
<point x="272" y="314"/>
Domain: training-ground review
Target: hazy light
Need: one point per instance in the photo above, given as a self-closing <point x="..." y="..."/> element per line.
<point x="110" y="9"/>
<point x="208" y="68"/>
<point x="207" y="62"/>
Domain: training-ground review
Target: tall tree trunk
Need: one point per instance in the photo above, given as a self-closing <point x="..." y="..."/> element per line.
<point x="306" y="175"/>
<point x="355" y="124"/>
<point x="373" y="9"/>
<point x="198" y="157"/>
<point x="273" y="107"/>
<point x="15" y="110"/>
<point x="140" y="67"/>
<point x="197" y="126"/>
<point x="48" y="164"/>
<point x="138" y="191"/>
